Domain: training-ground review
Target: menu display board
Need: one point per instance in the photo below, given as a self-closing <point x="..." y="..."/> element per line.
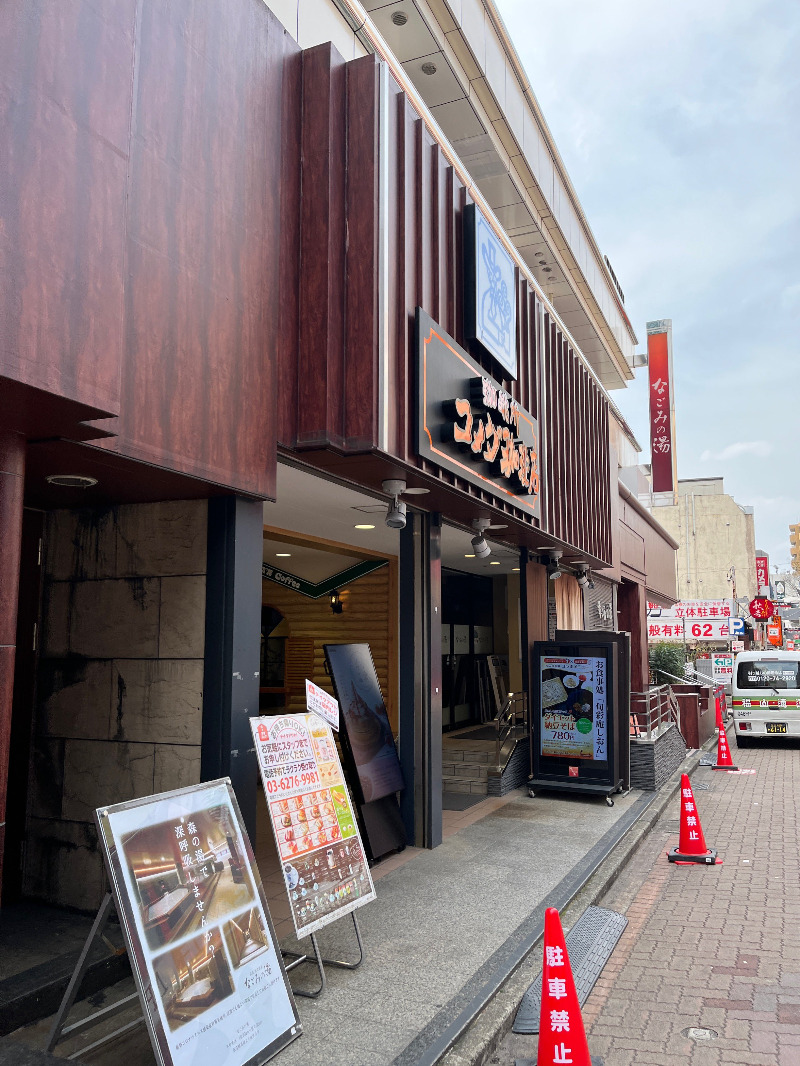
<point x="200" y="938"/>
<point x="574" y="707"/>
<point x="315" y="829"/>
<point x="366" y="722"/>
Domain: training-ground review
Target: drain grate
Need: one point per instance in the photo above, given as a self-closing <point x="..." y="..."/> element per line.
<point x="701" y="786"/>
<point x="589" y="945"/>
<point x="707" y="760"/>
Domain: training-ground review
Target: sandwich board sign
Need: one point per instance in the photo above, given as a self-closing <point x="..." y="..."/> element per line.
<point x="316" y="832"/>
<point x="207" y="965"/>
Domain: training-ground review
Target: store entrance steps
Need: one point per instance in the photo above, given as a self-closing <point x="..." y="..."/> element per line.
<point x="589" y="945"/>
<point x="466" y="764"/>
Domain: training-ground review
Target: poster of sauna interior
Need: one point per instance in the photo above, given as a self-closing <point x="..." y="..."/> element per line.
<point x="190" y="897"/>
<point x="573" y="707"/>
<point x="316" y="833"/>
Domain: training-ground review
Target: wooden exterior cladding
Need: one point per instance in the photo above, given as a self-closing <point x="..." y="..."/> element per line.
<point x="330" y="346"/>
<point x="139" y="251"/>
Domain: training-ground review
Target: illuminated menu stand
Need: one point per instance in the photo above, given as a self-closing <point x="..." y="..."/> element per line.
<point x="554" y="665"/>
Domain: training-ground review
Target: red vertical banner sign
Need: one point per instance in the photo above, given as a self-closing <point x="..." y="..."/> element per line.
<point x="662" y="405"/>
<point x="762" y="574"/>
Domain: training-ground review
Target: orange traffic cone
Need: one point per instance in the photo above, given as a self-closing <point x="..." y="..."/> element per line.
<point x="724" y="760"/>
<point x="691" y="842"/>
<point x="562" y="1037"/>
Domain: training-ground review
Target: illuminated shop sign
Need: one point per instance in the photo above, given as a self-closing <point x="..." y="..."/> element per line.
<point x="490" y="296"/>
<point x="469" y="425"/>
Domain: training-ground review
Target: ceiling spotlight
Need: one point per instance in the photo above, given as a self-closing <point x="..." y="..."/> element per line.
<point x="71" y="481"/>
<point x="480" y="547"/>
<point x="584" y="577"/>
<point x="552" y="561"/>
<point x="396" y="514"/>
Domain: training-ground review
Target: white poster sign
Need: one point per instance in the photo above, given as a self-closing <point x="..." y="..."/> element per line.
<point x="200" y="939"/>
<point x="321" y="703"/>
<point x="324" y="865"/>
<point x="574" y="708"/>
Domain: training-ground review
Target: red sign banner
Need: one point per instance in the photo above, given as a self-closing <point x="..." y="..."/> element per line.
<point x="762" y="609"/>
<point x="762" y="572"/>
<point x="662" y="436"/>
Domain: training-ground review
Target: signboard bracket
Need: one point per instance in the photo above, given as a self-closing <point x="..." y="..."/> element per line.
<point x="317" y="958"/>
<point x="60" y="1029"/>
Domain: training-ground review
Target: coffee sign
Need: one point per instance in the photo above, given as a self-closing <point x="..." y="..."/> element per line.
<point x="469" y="425"/>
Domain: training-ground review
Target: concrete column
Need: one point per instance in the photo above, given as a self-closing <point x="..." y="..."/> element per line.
<point x="12" y="480"/>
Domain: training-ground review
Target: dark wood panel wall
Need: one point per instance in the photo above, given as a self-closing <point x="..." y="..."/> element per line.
<point x="329" y="344"/>
<point x="327" y="364"/>
<point x="142" y="144"/>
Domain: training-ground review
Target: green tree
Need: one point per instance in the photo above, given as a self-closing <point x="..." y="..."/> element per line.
<point x="666" y="659"/>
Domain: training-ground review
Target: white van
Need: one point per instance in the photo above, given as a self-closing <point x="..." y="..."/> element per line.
<point x="765" y="694"/>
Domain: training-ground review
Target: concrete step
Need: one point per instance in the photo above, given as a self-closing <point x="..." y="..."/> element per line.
<point x="462" y="784"/>
<point x="464" y="770"/>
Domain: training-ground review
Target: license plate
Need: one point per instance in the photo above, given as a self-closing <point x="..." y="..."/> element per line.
<point x="776" y="727"/>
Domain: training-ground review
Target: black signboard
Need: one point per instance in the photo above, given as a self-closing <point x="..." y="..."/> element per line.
<point x="574" y="735"/>
<point x="468" y="424"/>
<point x="364" y="717"/>
<point x="368" y="747"/>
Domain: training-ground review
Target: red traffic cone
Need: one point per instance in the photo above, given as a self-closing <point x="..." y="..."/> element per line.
<point x="562" y="1038"/>
<point x="691" y="842"/>
<point x="724" y="760"/>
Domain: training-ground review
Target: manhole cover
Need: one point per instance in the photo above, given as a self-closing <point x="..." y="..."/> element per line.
<point x="693" y="1033"/>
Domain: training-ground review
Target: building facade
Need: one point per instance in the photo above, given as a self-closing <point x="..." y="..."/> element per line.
<point x="250" y="294"/>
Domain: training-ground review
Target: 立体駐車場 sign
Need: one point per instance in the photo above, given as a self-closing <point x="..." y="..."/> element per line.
<point x="200" y="940"/>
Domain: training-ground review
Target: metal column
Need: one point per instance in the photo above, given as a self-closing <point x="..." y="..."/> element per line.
<point x="421" y="678"/>
<point x="233" y="647"/>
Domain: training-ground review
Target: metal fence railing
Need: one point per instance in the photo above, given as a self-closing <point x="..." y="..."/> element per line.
<point x="653" y="711"/>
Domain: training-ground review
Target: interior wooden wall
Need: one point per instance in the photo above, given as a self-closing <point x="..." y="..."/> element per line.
<point x="369" y="616"/>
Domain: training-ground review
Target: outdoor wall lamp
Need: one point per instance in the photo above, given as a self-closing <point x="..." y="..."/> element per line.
<point x="336" y="602"/>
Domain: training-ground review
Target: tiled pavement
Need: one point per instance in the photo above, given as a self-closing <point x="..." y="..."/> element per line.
<point x="707" y="947"/>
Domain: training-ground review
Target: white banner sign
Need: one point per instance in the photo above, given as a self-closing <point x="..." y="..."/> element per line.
<point x="690" y="620"/>
<point x="722" y="669"/>
<point x="200" y="940"/>
<point x="318" y="701"/>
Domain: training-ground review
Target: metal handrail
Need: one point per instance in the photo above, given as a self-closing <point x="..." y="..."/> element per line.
<point x="652" y="711"/>
<point x="511" y="723"/>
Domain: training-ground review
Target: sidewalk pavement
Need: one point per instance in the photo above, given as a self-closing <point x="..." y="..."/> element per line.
<point x="711" y="948"/>
<point x="444" y="923"/>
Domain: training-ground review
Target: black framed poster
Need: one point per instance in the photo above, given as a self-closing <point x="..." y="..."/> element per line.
<point x="207" y="966"/>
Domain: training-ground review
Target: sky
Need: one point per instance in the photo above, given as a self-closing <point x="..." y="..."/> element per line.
<point x="679" y="125"/>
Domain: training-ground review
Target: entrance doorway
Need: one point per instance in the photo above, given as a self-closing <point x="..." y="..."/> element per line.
<point x="467" y="641"/>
